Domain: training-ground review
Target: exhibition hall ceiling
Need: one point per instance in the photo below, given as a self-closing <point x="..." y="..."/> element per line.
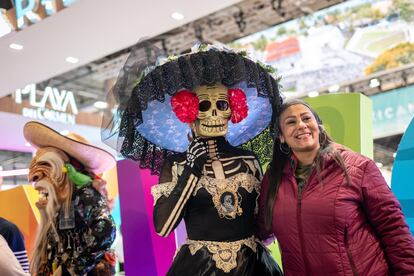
<point x="99" y="34"/>
<point x="250" y="20"/>
<point x="91" y="81"/>
<point x="89" y="30"/>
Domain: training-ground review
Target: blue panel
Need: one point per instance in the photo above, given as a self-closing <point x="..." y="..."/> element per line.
<point x="402" y="180"/>
<point x="116" y="212"/>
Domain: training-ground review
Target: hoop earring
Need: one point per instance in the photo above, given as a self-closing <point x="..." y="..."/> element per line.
<point x="284" y="149"/>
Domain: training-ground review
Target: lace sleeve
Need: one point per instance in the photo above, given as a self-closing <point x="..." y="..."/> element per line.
<point x="165" y="188"/>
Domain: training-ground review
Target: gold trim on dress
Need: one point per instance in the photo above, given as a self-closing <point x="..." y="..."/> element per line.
<point x="165" y="189"/>
<point x="162" y="189"/>
<point x="225" y="195"/>
<point x="224" y="253"/>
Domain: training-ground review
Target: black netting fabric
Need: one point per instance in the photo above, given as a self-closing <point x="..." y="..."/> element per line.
<point x="262" y="146"/>
<point x="145" y="78"/>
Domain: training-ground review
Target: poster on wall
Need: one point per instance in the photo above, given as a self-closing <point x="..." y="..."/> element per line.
<point x="339" y="44"/>
<point x="393" y="111"/>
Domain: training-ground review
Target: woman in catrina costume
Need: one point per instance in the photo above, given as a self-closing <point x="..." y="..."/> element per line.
<point x="220" y="99"/>
<point x="76" y="228"/>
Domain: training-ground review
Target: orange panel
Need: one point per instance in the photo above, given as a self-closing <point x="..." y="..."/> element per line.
<point x="111" y="178"/>
<point x="17" y="205"/>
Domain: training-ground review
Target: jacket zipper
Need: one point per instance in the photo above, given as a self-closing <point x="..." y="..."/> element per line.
<point x="300" y="227"/>
<point x="348" y="252"/>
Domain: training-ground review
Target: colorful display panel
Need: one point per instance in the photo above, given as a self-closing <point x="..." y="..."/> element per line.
<point x="401" y="181"/>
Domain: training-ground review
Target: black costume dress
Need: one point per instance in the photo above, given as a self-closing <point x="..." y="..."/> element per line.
<point x="219" y="208"/>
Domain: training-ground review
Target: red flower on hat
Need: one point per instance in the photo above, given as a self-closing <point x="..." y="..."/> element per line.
<point x="238" y="105"/>
<point x="185" y="106"/>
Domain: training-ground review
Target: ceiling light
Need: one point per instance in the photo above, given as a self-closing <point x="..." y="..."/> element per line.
<point x="100" y="105"/>
<point x="333" y="88"/>
<point x="374" y="83"/>
<point x="72" y="60"/>
<point x="177" y="16"/>
<point x="313" y="94"/>
<point x="16" y="46"/>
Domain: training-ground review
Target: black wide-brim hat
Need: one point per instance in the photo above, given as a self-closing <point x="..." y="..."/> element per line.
<point x="140" y="122"/>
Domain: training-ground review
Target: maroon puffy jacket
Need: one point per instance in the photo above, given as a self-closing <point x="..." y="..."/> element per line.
<point x="335" y="228"/>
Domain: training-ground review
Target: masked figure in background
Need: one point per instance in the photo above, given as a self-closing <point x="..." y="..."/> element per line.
<point x="222" y="99"/>
<point x="76" y="229"/>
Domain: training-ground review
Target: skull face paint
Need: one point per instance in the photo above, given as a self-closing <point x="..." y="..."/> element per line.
<point x="214" y="111"/>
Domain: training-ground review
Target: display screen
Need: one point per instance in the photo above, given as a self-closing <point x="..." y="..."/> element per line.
<point x="336" y="45"/>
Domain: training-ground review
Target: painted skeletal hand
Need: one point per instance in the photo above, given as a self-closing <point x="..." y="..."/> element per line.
<point x="196" y="154"/>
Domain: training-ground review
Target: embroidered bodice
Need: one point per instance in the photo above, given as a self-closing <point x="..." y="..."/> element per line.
<point x="222" y="202"/>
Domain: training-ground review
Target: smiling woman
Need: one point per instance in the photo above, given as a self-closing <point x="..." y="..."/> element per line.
<point x="329" y="208"/>
<point x="299" y="130"/>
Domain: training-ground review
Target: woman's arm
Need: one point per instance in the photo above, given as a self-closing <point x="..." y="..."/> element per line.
<point x="384" y="213"/>
<point x="15" y="240"/>
<point x="8" y="262"/>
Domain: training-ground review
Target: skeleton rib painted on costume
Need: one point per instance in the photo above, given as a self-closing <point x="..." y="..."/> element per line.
<point x="220" y="179"/>
<point x="213" y="183"/>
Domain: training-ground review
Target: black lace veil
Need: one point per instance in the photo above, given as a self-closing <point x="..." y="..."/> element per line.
<point x="148" y="75"/>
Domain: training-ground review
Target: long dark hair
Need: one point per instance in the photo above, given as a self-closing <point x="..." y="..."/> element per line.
<point x="280" y="157"/>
